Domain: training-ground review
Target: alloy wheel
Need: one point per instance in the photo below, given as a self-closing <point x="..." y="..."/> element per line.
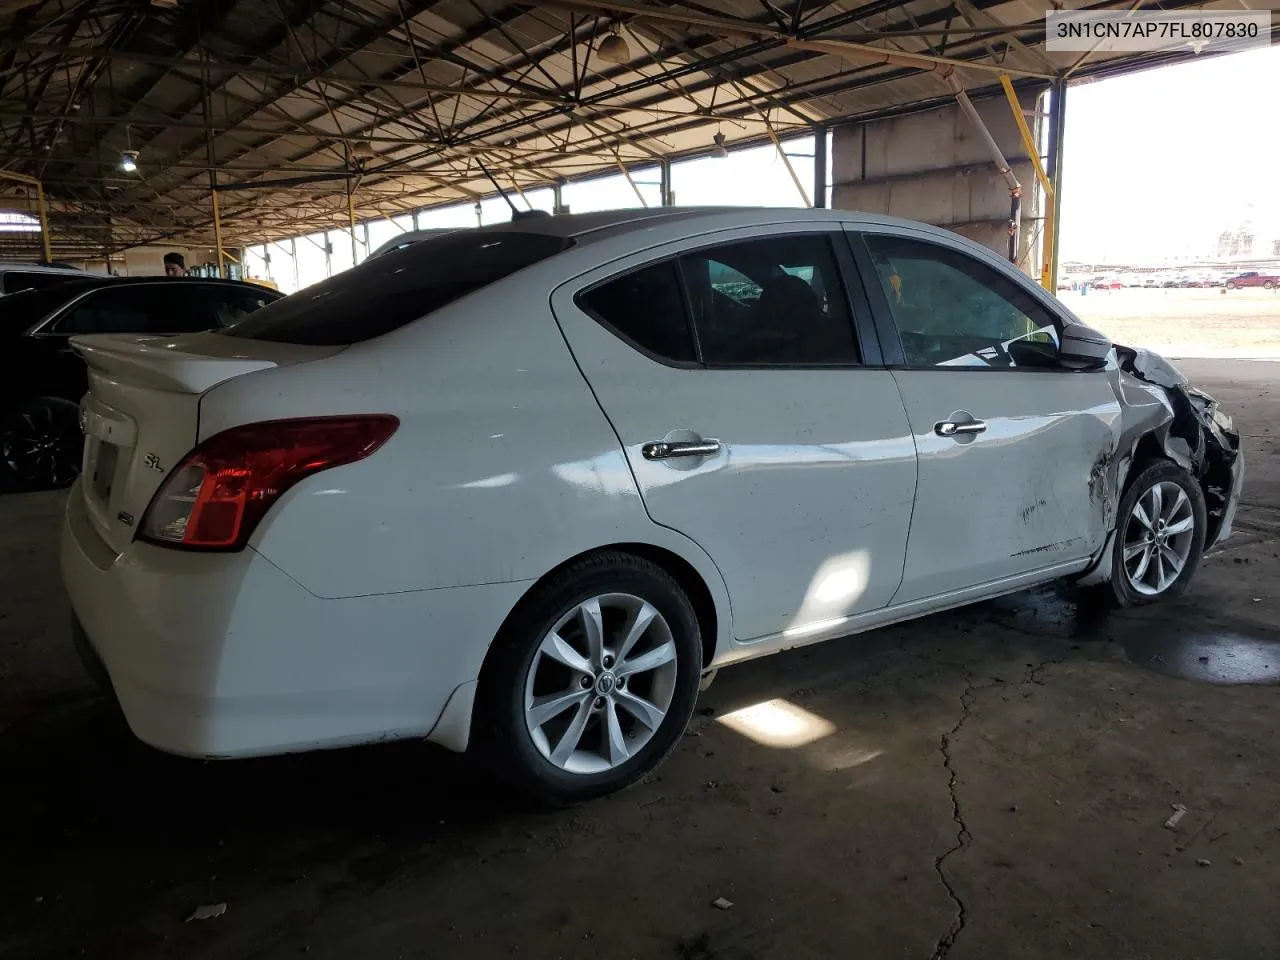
<point x="600" y="683"/>
<point x="41" y="446"/>
<point x="1158" y="538"/>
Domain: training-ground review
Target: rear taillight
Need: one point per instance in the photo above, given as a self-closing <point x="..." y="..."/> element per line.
<point x="215" y="497"/>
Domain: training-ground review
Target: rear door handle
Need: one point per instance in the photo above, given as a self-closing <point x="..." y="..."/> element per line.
<point x="667" y="449"/>
<point x="950" y="428"/>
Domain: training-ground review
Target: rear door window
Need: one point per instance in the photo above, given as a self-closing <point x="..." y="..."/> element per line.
<point x="773" y="301"/>
<point x="386" y="292"/>
<point x="647" y="309"/>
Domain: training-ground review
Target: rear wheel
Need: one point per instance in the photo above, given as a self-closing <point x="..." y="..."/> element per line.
<point x="41" y="443"/>
<point x="1269" y="285"/>
<point x="1159" y="535"/>
<point x="592" y="681"/>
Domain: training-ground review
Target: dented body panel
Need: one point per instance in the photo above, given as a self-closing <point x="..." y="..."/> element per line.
<point x="1024" y="494"/>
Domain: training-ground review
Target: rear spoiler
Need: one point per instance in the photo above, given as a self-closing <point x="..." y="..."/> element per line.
<point x="160" y="363"/>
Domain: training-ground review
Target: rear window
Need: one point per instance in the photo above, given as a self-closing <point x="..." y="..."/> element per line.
<point x="387" y="292"/>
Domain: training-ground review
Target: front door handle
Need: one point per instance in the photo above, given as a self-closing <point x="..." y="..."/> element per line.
<point x="667" y="449"/>
<point x="950" y="428"/>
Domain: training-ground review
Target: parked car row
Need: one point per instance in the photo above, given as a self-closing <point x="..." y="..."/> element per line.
<point x="42" y="380"/>
<point x="1203" y="279"/>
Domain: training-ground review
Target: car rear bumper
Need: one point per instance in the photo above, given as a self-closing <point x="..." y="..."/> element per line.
<point x="224" y="655"/>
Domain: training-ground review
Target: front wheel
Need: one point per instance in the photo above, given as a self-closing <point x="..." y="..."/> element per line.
<point x="1160" y="529"/>
<point x="592" y="681"/>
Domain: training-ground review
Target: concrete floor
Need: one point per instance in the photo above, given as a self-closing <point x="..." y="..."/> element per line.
<point x="994" y="786"/>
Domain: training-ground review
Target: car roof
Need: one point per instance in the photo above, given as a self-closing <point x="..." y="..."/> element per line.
<point x="97" y="280"/>
<point x="40" y="268"/>
<point x="589" y="227"/>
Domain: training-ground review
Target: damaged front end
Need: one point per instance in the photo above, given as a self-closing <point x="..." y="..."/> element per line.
<point x="1164" y="417"/>
<point x="1199" y="436"/>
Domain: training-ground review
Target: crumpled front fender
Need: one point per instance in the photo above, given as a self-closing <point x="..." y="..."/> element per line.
<point x="1162" y="415"/>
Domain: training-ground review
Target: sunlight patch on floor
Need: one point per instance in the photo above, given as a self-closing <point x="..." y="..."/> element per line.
<point x="778" y="723"/>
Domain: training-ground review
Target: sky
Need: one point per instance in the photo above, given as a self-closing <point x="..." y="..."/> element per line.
<point x="1158" y="163"/>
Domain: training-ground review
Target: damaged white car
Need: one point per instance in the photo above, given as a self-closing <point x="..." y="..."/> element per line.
<point x="516" y="489"/>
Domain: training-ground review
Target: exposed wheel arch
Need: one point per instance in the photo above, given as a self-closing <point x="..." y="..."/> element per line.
<point x="680" y="569"/>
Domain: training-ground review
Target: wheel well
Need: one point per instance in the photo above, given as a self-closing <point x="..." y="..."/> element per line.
<point x="681" y="571"/>
<point x="691" y="583"/>
<point x="1148" y="450"/>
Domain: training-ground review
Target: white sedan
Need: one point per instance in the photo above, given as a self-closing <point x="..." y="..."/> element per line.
<point x="517" y="489"/>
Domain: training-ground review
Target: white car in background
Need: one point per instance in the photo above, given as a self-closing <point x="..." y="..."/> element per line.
<point x="516" y="489"/>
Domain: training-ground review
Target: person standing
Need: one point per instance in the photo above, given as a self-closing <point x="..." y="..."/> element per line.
<point x="174" y="264"/>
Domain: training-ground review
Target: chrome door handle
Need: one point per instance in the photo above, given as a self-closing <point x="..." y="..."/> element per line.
<point x="666" y="449"/>
<point x="949" y="428"/>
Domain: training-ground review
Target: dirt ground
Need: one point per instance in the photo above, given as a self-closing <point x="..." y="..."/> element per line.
<point x="1186" y="323"/>
<point x="988" y="783"/>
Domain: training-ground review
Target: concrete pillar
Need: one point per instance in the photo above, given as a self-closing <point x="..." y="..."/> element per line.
<point x="936" y="167"/>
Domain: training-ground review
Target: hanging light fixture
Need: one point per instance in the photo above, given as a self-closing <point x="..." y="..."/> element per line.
<point x="719" y="151"/>
<point x="129" y="156"/>
<point x="614" y="48"/>
<point x="362" y="150"/>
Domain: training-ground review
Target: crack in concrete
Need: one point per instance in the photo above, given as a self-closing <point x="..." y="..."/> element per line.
<point x="1031" y="675"/>
<point x="947" y="940"/>
<point x="963" y="836"/>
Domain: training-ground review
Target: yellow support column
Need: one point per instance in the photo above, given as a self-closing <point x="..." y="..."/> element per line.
<point x="351" y="219"/>
<point x="1050" y="201"/>
<point x="217" y="231"/>
<point x="44" y="222"/>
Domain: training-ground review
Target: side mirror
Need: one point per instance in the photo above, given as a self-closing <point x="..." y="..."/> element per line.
<point x="1083" y="348"/>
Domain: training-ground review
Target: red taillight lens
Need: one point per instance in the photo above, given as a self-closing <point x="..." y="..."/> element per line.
<point x="215" y="497"/>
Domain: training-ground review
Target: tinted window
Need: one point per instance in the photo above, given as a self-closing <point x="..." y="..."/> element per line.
<point x="775" y="301"/>
<point x="952" y="310"/>
<point x="156" y="308"/>
<point x="387" y="292"/>
<point x="232" y="306"/>
<point x="21" y="311"/>
<point x="645" y="307"/>
<point x="16" y="281"/>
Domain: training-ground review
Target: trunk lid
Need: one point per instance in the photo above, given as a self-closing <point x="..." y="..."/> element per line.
<point x="141" y="415"/>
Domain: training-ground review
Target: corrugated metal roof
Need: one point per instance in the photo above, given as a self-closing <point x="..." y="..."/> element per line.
<point x="264" y="90"/>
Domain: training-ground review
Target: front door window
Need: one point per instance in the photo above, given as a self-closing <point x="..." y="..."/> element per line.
<point x="953" y="310"/>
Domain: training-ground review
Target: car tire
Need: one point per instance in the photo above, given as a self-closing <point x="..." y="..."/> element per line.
<point x="41" y="444"/>
<point x="1231" y="286"/>
<point x="527" y="675"/>
<point x="1155" y="561"/>
<point x="1268" y="285"/>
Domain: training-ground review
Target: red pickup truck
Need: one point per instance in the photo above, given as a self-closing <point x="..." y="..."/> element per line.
<point x="1254" y="279"/>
